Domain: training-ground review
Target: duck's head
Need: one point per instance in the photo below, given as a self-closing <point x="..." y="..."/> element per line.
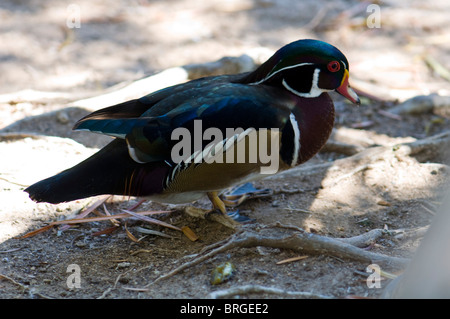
<point x="307" y="68"/>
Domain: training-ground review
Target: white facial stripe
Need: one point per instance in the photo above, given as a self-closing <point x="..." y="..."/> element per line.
<point x="315" y="90"/>
<point x="133" y="155"/>
<point x="272" y="74"/>
<point x="291" y="89"/>
<point x="296" y="129"/>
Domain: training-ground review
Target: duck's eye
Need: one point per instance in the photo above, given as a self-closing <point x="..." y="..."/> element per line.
<point x="333" y="66"/>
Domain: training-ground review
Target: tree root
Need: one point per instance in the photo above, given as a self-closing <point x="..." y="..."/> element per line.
<point x="257" y="289"/>
<point x="299" y="240"/>
<point x="422" y="104"/>
<point x="365" y="239"/>
<point x="425" y="149"/>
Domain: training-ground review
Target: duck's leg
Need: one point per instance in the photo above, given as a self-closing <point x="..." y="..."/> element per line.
<point x="218" y="205"/>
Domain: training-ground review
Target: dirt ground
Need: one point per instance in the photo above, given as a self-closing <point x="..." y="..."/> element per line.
<point x="47" y="66"/>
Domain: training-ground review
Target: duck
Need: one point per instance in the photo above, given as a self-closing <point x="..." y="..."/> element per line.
<point x="202" y="137"/>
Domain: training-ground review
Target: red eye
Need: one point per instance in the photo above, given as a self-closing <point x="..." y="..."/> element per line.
<point x="333" y="66"/>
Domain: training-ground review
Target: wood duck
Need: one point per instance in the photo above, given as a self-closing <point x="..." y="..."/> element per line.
<point x="283" y="104"/>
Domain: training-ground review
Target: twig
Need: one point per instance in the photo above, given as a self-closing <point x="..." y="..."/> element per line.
<point x="437" y="67"/>
<point x="372" y="97"/>
<point x="11" y="182"/>
<point x="151" y="232"/>
<point x="305" y="211"/>
<point x="14" y="282"/>
<point x="150" y="220"/>
<point x="109" y="289"/>
<point x="289" y="260"/>
<point x="24" y="287"/>
<point x="139" y="215"/>
<point x="390" y="115"/>
<point x="10" y="250"/>
<point x="353" y="172"/>
<point x="292" y="227"/>
<point x="257" y="289"/>
<point x="217" y="244"/>
<point x="429" y="211"/>
<point x="284" y="190"/>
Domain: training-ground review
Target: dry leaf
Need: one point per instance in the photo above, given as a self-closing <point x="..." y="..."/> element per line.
<point x="189" y="233"/>
<point x="94" y="206"/>
<point x="105" y="231"/>
<point x="115" y="222"/>
<point x="130" y="235"/>
<point x="99" y="218"/>
<point x="95" y="219"/>
<point x="37" y="231"/>
<point x="383" y="203"/>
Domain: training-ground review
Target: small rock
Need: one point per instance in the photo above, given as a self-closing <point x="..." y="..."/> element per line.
<point x="80" y="244"/>
<point x="62" y="117"/>
<point x="123" y="265"/>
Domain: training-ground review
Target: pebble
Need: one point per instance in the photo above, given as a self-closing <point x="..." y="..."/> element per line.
<point x="123" y="265"/>
<point x="62" y="117"/>
<point x="80" y="244"/>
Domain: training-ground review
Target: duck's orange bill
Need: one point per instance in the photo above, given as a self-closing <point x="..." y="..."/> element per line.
<point x="346" y="91"/>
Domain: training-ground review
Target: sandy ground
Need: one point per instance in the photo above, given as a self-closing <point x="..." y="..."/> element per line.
<point x="46" y="66"/>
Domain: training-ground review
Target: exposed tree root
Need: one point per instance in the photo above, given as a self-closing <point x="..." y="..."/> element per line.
<point x="258" y="289"/>
<point x="424" y="149"/>
<point x="283" y="237"/>
<point x="427" y="148"/>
